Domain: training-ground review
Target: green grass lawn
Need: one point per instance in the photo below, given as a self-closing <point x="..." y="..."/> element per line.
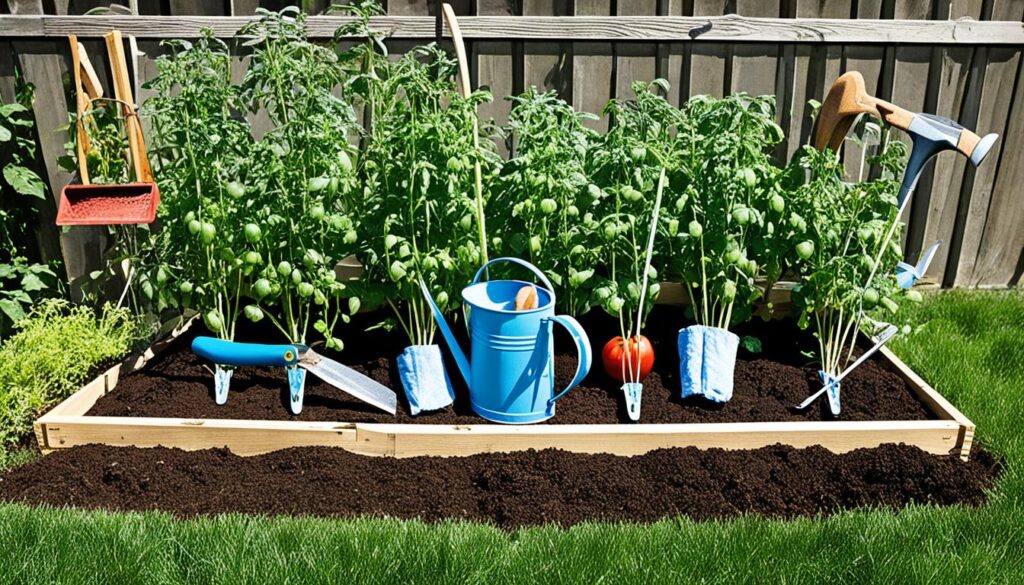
<point x="969" y="346"/>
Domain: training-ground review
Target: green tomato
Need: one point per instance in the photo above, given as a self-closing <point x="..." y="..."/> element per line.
<point x="161" y="276"/>
<point x="235" y="189"/>
<point x="430" y="264"/>
<point x="261" y="288"/>
<point x="548" y="205"/>
<point x="870" y="298"/>
<point x="728" y="291"/>
<point x="696" y="230"/>
<point x="185" y="287"/>
<point x="535" y="244"/>
<point x="253" y="313"/>
<point x="209" y="233"/>
<point x="213" y="321"/>
<point x="345" y="161"/>
<point x="296" y="277"/>
<point x="312" y="258"/>
<point x="350" y="237"/>
<point x="595" y="191"/>
<point x="317" y="184"/>
<point x="389" y="241"/>
<point x="572" y="211"/>
<point x="890" y="304"/>
<point x="602" y="293"/>
<point x="284" y="268"/>
<point x="750" y="267"/>
<point x="252" y="258"/>
<point x="681" y="202"/>
<point x="190" y="216"/>
<point x="741" y="215"/>
<point x="749" y="178"/>
<point x="194" y="227"/>
<point x="805" y="249"/>
<point x="306" y="290"/>
<point x="253" y="233"/>
<point x="466" y="222"/>
<point x="631" y="194"/>
<point x="778" y="203"/>
<point x="673" y="227"/>
<point x="397" y="271"/>
<point x="317" y="212"/>
<point x="733" y="256"/>
<point x="609" y="231"/>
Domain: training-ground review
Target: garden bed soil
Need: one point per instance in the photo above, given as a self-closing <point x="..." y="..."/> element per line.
<point x="178" y="384"/>
<point x="508" y="490"/>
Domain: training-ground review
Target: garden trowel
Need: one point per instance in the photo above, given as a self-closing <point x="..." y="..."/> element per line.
<point x="292" y="357"/>
<point x="832" y="382"/>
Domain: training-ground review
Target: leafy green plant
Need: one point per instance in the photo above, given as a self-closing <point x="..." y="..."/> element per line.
<point x="421" y="218"/>
<point x="842" y="274"/>
<point x="541" y="191"/>
<point x="56" y="349"/>
<point x="728" y="237"/>
<point x="196" y="257"/>
<point x="630" y="164"/>
<point x="22" y="280"/>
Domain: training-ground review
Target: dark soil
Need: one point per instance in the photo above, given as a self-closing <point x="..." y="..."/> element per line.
<point x="179" y="384"/>
<point x="508" y="490"/>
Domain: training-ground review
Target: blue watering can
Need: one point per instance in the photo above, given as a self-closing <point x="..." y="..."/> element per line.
<point x="511" y="379"/>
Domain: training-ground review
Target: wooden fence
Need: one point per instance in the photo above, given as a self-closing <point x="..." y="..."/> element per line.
<point x="957" y="58"/>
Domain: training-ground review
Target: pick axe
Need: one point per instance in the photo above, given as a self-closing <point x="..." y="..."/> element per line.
<point x="931" y="134"/>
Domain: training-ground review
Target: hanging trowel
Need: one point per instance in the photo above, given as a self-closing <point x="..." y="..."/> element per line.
<point x="832" y="383"/>
<point x="292" y="357"/>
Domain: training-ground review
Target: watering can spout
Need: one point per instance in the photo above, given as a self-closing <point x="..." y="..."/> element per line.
<point x="460" y="358"/>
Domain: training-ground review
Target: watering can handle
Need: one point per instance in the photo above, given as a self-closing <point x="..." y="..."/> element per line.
<point x="579" y="336"/>
<point x="536" y="271"/>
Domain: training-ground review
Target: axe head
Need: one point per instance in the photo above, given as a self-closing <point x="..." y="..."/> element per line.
<point x="847" y="99"/>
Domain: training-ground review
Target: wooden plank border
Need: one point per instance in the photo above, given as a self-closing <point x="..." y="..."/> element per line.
<point x="68" y="426"/>
<point x="727" y="28"/>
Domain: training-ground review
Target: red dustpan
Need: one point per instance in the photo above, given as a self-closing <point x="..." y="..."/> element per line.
<point x="88" y="204"/>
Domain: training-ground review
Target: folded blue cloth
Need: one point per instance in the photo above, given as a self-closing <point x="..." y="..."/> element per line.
<point x="833" y="392"/>
<point x="424" y="378"/>
<point x="707" y="360"/>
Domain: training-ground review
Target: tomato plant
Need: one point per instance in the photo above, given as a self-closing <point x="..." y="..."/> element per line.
<point x="843" y="225"/>
<point x="419" y="215"/>
<point x="726" y="224"/>
<point x="541" y="192"/>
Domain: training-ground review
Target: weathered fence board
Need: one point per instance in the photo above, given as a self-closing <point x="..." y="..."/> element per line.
<point x="958" y="58"/>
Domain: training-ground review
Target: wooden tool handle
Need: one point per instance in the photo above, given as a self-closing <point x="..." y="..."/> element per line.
<point x="123" y="92"/>
<point x="82" y="145"/>
<point x="526" y="298"/>
<point x="893" y="114"/>
<point x="460" y="48"/>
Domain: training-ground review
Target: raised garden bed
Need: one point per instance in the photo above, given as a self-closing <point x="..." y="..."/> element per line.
<point x="164" y="398"/>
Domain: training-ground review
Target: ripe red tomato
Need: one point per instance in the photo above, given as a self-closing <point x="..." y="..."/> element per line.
<point x="615" y="360"/>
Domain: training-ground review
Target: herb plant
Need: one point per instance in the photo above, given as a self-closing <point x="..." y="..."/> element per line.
<point x="56" y="349"/>
<point x="541" y="191"/>
<point x="727" y="223"/>
<point x="420" y="216"/>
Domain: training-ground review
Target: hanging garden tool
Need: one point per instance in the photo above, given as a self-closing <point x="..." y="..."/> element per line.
<point x="292" y="358"/>
<point x="88" y="204"/>
<point x="511" y="379"/>
<point x="906" y="275"/>
<point x="832" y="383"/>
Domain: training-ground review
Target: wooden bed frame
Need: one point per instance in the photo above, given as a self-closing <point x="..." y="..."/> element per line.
<point x="67" y="425"/>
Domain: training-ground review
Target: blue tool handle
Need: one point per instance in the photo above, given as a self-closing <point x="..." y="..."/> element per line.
<point x="233" y="353"/>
